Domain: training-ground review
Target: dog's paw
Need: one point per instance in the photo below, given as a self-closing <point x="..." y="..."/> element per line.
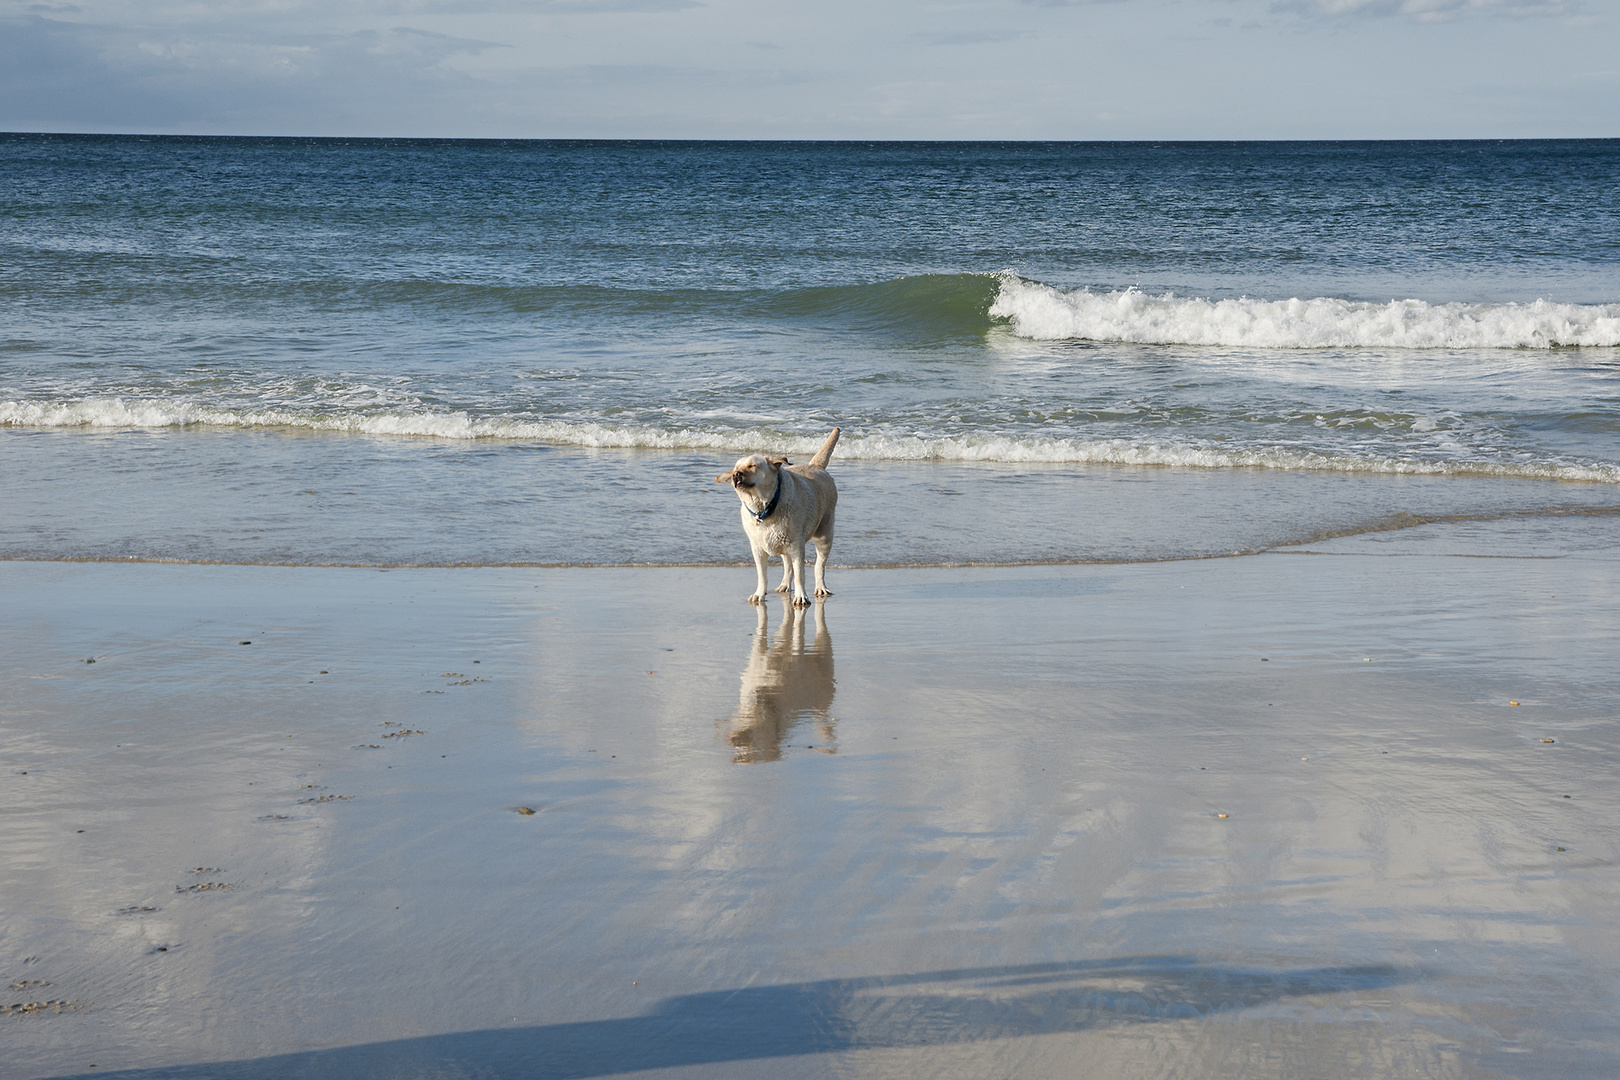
<point x="756" y="598"/>
<point x="782" y="588"/>
<point x="823" y="592"/>
<point x="801" y="600"/>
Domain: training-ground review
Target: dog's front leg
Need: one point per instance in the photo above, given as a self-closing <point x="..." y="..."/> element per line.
<point x="760" y="559"/>
<point x="796" y="553"/>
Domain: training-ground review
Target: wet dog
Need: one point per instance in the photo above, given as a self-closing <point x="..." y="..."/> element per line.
<point x="784" y="505"/>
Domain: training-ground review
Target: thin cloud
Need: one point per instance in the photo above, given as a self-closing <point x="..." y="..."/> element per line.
<point x="973" y="37"/>
<point x="1426" y="10"/>
<point x="527" y="7"/>
<point x="194" y="12"/>
<point x="559" y="7"/>
<point x="57" y="75"/>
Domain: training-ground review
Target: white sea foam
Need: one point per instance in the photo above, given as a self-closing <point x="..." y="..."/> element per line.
<point x="118" y="413"/>
<point x="1040" y="311"/>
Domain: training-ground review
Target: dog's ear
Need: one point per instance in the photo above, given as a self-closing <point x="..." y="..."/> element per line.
<point x="779" y="461"/>
<point x="724" y="478"/>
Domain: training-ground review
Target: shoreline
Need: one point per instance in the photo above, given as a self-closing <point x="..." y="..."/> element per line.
<point x="1398" y="523"/>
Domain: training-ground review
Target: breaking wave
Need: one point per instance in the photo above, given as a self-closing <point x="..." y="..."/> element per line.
<point x="1034" y="310"/>
<point x="118" y="413"/>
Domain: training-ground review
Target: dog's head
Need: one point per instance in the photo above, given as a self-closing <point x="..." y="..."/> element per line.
<point x="753" y="472"/>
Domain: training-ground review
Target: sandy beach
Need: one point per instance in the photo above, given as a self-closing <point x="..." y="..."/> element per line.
<point x="1341" y="811"/>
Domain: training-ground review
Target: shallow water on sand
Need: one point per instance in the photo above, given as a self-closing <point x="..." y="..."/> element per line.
<point x="1279" y="816"/>
<point x="272" y="497"/>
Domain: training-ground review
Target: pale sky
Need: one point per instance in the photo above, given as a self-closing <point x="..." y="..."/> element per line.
<point x="841" y="69"/>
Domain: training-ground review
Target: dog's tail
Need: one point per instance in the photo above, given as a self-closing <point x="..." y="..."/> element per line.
<point x="824" y="455"/>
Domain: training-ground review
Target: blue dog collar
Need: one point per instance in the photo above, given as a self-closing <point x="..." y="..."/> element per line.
<point x="770" y="507"/>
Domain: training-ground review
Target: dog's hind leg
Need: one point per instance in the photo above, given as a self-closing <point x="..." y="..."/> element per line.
<point x="787" y="575"/>
<point x="823" y="547"/>
<point x="823" y="541"/>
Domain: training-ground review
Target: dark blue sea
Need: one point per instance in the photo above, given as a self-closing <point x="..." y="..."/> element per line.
<point x="393" y="352"/>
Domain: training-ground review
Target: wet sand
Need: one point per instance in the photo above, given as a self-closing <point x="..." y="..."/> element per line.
<point x="1344" y="811"/>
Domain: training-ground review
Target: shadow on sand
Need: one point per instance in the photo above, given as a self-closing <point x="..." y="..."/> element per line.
<point x="764" y="1022"/>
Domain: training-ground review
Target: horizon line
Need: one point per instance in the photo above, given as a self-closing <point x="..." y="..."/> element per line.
<point x="7" y="134"/>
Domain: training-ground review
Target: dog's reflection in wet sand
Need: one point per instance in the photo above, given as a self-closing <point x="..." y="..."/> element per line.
<point x="785" y="684"/>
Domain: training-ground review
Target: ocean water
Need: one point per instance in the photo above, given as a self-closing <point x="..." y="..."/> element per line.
<point x="391" y="352"/>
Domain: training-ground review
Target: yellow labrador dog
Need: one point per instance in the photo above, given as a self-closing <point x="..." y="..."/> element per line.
<point x="783" y="505"/>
